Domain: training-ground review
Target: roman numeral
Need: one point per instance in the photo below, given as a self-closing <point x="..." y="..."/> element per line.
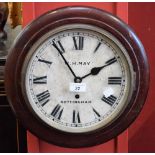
<point x="111" y="61"/>
<point x="40" y="80"/>
<point x="78" y="42"/>
<point x="97" y="47"/>
<point x="43" y="97"/>
<point x="96" y="113"/>
<point x="58" y="46"/>
<point x="76" y="117"/>
<point x="48" y="63"/>
<point x="109" y="100"/>
<point x="115" y="80"/>
<point x="57" y="111"/>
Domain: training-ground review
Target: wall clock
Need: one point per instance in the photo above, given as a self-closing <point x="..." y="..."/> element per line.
<point x="77" y="76"/>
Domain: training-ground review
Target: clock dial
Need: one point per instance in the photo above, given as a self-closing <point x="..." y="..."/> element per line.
<point x="78" y="79"/>
<point x="77" y="73"/>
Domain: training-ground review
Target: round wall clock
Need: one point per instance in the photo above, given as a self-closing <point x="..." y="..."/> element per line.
<point x="77" y="76"/>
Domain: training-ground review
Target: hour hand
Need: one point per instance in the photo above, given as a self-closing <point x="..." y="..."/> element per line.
<point x="96" y="70"/>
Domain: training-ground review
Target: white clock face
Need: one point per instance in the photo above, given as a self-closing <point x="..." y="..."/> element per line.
<point x="77" y="79"/>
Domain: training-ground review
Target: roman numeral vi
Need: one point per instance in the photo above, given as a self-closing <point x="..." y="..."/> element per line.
<point x="76" y="117"/>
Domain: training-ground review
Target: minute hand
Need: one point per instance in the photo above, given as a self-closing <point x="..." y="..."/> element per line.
<point x="64" y="59"/>
<point x="96" y="70"/>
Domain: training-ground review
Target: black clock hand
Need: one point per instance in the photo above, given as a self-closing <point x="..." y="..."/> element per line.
<point x="96" y="70"/>
<point x="60" y="52"/>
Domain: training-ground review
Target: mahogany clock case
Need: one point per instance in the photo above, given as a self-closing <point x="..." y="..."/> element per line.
<point x="75" y="15"/>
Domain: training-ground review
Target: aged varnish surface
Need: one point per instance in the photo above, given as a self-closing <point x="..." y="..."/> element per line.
<point x="73" y="15"/>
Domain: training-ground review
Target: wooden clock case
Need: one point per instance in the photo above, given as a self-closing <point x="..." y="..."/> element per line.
<point x="52" y="20"/>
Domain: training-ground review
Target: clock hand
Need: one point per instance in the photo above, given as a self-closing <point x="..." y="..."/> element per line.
<point x="64" y="59"/>
<point x="96" y="70"/>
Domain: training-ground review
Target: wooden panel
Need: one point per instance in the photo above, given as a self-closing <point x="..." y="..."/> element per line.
<point x="12" y="134"/>
<point x="141" y="133"/>
<point x="8" y="141"/>
<point x="33" y="10"/>
<point x="119" y="144"/>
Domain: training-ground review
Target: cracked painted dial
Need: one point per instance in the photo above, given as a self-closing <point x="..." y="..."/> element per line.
<point x="91" y="97"/>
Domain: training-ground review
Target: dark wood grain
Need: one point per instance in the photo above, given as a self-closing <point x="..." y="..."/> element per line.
<point x="50" y="21"/>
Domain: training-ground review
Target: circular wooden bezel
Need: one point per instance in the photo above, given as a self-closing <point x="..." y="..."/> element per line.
<point x="50" y="21"/>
